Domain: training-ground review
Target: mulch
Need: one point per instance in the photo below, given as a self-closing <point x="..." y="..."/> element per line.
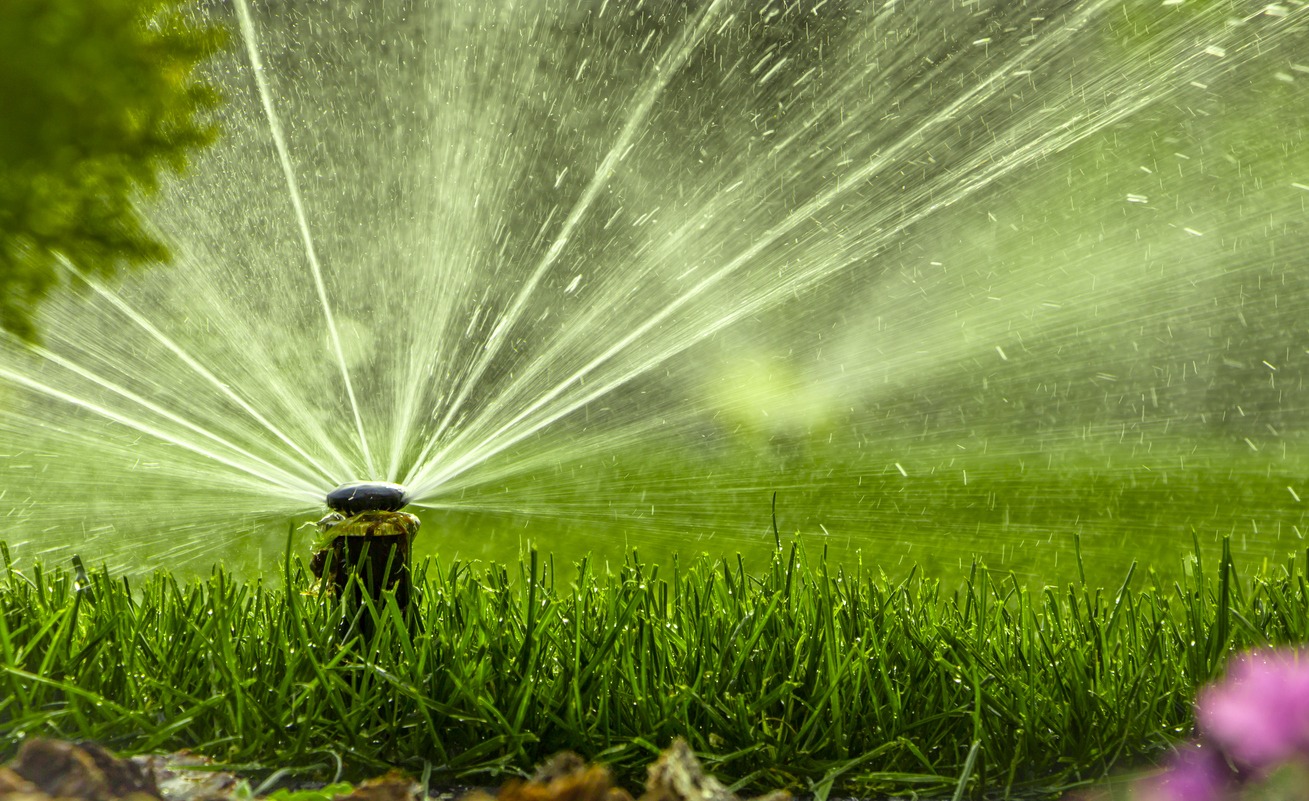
<point x="57" y="770"/>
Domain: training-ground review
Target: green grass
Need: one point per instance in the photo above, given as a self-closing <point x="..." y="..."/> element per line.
<point x="804" y="675"/>
<point x="1016" y="506"/>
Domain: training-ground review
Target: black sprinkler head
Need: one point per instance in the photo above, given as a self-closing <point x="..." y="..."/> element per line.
<point x="367" y="496"/>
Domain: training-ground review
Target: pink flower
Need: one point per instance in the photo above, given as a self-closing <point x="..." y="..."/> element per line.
<point x="1195" y="773"/>
<point x="1259" y="714"/>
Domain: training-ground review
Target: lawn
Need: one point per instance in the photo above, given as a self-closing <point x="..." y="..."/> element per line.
<point x="804" y="675"/>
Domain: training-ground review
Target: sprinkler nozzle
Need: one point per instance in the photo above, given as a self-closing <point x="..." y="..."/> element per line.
<point x="367" y="496"/>
<point x="363" y="550"/>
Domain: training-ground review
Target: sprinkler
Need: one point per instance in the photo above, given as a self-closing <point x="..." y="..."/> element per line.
<point x="363" y="548"/>
<point x="367" y="496"/>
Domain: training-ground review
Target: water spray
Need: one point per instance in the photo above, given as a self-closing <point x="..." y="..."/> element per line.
<point x="365" y="543"/>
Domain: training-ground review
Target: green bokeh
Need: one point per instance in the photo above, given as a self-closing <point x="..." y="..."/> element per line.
<point x="98" y="99"/>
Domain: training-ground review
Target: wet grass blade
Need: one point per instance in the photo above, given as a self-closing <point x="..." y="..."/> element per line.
<point x="803" y="675"/>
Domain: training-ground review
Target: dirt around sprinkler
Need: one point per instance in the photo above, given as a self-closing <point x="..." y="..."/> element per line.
<point x="54" y="770"/>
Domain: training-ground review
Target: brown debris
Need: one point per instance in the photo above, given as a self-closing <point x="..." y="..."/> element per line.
<point x="676" y="776"/>
<point x="559" y="766"/>
<point x="188" y="776"/>
<point x="394" y="786"/>
<point x="564" y="777"/>
<point x="13" y="784"/>
<point x="86" y="771"/>
<point x="52" y="770"/>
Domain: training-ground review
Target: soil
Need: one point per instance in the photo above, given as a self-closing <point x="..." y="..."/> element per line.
<point x="55" y="770"/>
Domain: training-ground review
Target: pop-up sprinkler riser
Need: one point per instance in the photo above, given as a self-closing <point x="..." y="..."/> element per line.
<point x="368" y="537"/>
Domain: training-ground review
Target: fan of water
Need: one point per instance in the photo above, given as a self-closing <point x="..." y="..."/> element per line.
<point x="947" y="278"/>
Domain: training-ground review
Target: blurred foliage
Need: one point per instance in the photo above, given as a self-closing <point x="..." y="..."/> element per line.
<point x="99" y="99"/>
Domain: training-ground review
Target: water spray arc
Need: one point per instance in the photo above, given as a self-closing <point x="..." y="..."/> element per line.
<point x="293" y="189"/>
<point x="669" y="64"/>
<point x="1029" y="141"/>
<point x="550" y="264"/>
